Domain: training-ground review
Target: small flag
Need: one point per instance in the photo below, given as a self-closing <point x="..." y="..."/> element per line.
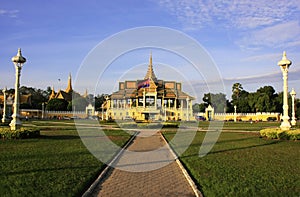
<point x="144" y="84"/>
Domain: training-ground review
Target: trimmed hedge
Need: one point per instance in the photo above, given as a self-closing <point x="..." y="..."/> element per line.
<point x="22" y="133"/>
<point x="277" y="133"/>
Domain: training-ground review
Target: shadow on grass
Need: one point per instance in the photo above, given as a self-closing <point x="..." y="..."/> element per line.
<point x="59" y="137"/>
<point x="47" y="170"/>
<point x="232" y="149"/>
<point x="246" y="147"/>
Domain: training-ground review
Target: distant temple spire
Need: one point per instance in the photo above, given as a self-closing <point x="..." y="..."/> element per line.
<point x="69" y="88"/>
<point x="150" y="73"/>
<point x="52" y="95"/>
<point x="86" y="93"/>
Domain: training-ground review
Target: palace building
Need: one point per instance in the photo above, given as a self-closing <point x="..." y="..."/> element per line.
<point x="66" y="94"/>
<point x="149" y="99"/>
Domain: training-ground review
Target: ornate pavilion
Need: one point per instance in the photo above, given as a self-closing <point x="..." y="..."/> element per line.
<point x="149" y="99"/>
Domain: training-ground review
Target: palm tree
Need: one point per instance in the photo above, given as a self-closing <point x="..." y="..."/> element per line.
<point x="236" y="90"/>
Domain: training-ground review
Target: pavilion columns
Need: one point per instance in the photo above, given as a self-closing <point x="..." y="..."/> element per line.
<point x="144" y="98"/>
<point x="181" y="108"/>
<point x="169" y="103"/>
<point x="112" y="103"/>
<point x="187" y="108"/>
<point x="155" y="101"/>
<point x="130" y="103"/>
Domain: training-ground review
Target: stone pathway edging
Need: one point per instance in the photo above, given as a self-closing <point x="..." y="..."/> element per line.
<point x="186" y="174"/>
<point x="108" y="168"/>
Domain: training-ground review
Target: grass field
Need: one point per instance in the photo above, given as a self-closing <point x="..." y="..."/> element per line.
<point x="242" y="164"/>
<point x="55" y="164"/>
<point x="244" y="126"/>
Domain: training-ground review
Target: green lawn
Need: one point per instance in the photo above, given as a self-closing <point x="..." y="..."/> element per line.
<point x="55" y="164"/>
<point x="242" y="164"/>
<point x="245" y="126"/>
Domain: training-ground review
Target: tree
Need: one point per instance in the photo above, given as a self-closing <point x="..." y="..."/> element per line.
<point x="240" y="98"/>
<point x="99" y="100"/>
<point x="297" y="108"/>
<point x="57" y="105"/>
<point x="236" y="90"/>
<point x="266" y="99"/>
<point x="198" y="107"/>
<point x="217" y="101"/>
<point x="78" y="104"/>
<point x="38" y="96"/>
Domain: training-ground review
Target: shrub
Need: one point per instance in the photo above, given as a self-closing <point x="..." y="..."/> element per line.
<point x="294" y="134"/>
<point x="24" y="132"/>
<point x="171" y="124"/>
<point x="4" y="123"/>
<point x="277" y="133"/>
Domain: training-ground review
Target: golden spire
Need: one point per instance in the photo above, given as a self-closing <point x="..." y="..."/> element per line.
<point x="52" y="95"/>
<point x="69" y="88"/>
<point x="85" y="93"/>
<point x="150" y="73"/>
<point x="150" y="60"/>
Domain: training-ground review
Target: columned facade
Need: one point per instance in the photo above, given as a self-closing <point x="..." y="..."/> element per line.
<point x="149" y="99"/>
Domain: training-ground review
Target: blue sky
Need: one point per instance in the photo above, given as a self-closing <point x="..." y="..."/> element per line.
<point x="245" y="39"/>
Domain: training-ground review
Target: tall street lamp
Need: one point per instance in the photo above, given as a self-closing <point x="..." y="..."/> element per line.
<point x="18" y="61"/>
<point x="293" y="94"/>
<point x="4" y="118"/>
<point x="284" y="64"/>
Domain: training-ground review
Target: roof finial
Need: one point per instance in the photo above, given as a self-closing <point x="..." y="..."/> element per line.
<point x="69" y="88"/>
<point x="150" y="73"/>
<point x="150" y="60"/>
<point x="284" y="55"/>
<point x="52" y="95"/>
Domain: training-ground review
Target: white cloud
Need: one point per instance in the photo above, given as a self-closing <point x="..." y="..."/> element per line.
<point x="254" y="23"/>
<point x="279" y="35"/>
<point x="259" y="58"/>
<point x="9" y="13"/>
<point x="240" y="14"/>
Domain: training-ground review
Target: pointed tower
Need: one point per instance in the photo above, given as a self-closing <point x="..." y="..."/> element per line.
<point x="85" y="93"/>
<point x="52" y="95"/>
<point x="69" y="88"/>
<point x="150" y="73"/>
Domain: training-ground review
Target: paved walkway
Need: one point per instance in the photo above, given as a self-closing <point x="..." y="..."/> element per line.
<point x="146" y="168"/>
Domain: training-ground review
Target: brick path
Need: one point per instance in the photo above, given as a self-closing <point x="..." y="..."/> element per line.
<point x="146" y="168"/>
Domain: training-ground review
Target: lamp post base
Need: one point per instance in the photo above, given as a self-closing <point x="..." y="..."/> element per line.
<point x="5" y="119"/>
<point x="293" y="122"/>
<point x="285" y="126"/>
<point x="15" y="123"/>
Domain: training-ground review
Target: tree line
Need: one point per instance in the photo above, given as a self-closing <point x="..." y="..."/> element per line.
<point x="40" y="97"/>
<point x="265" y="99"/>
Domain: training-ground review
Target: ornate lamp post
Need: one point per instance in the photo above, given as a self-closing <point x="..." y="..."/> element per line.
<point x="284" y="64"/>
<point x="18" y="61"/>
<point x="4" y="118"/>
<point x="293" y="94"/>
